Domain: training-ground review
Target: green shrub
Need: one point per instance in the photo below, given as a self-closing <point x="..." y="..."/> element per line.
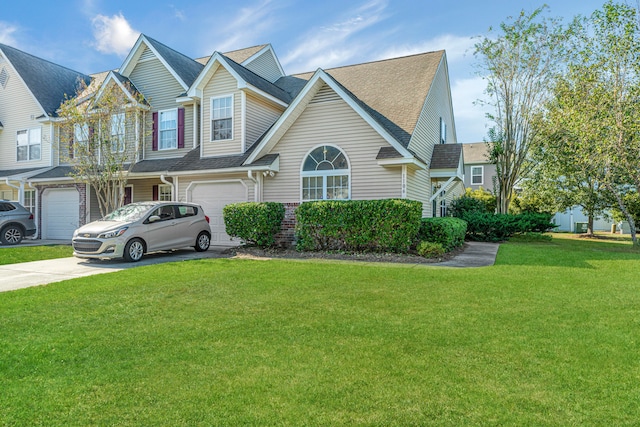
<point x="447" y="231"/>
<point x="254" y="223"/>
<point x="389" y="225"/>
<point x="465" y="204"/>
<point x="430" y="249"/>
<point x="483" y="226"/>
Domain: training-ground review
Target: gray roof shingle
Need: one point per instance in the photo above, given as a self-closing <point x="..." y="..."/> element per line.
<point x="48" y="82"/>
<point x="477" y="152"/>
<point x="259" y="82"/>
<point x="188" y="69"/>
<point x="446" y="156"/>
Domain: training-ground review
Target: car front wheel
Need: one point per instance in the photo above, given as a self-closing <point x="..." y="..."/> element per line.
<point x="11" y="235"/>
<point x="133" y="250"/>
<point x="202" y="242"/>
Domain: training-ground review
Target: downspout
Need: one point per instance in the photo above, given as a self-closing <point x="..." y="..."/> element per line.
<point x="20" y="194"/>
<point x="37" y="215"/>
<point x="255" y="185"/>
<point x="173" y="188"/>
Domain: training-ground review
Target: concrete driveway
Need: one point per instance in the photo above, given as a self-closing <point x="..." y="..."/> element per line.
<point x="26" y="274"/>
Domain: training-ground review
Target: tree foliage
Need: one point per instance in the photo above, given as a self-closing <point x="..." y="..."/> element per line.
<point x="101" y="133"/>
<point x="518" y="64"/>
<point x="592" y="143"/>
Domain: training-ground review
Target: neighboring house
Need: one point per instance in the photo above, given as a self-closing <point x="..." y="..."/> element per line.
<point x="234" y="127"/>
<point x="479" y="171"/>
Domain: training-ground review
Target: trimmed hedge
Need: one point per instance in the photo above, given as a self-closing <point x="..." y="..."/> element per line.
<point x="389" y="225"/>
<point x="447" y="231"/>
<point x="486" y="227"/>
<point x="430" y="249"/>
<point x="255" y="223"/>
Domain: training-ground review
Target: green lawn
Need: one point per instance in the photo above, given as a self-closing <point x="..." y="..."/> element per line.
<point x="548" y="336"/>
<point x="14" y="254"/>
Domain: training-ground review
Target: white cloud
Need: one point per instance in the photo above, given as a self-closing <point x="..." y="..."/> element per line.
<point x="329" y="45"/>
<point x="249" y="24"/>
<point x="113" y="34"/>
<point x="459" y="48"/>
<point x="6" y="33"/>
<point x="178" y="13"/>
<point x="471" y="121"/>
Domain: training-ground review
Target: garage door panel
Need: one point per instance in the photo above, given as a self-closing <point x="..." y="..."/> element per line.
<point x="60" y="213"/>
<point x="213" y="197"/>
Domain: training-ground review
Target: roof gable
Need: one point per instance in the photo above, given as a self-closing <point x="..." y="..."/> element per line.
<point x="184" y="69"/>
<point x="477" y="152"/>
<point x="395" y="89"/>
<point x="49" y="83"/>
<point x="320" y="77"/>
<point x="124" y="84"/>
<point x="245" y="78"/>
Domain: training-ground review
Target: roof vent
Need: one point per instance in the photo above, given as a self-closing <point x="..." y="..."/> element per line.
<point x="4" y="77"/>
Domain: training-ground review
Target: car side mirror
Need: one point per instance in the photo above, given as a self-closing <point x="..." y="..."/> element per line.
<point x="153" y="218"/>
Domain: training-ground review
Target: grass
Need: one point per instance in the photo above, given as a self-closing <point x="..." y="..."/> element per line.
<point x="15" y="254"/>
<point x="548" y="336"/>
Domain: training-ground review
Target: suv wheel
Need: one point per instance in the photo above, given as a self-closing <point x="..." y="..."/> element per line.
<point x="11" y="235"/>
<point x="202" y="242"/>
<point x="133" y="250"/>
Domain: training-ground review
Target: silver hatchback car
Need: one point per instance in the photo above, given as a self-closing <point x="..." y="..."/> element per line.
<point x="142" y="227"/>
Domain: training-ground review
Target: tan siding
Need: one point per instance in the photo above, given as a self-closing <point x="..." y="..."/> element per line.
<point x="419" y="188"/>
<point x="265" y="66"/>
<point x="160" y="89"/>
<point x="333" y="123"/>
<point x="260" y="116"/>
<point x="222" y="84"/>
<point x="18" y="111"/>
<point x="427" y="134"/>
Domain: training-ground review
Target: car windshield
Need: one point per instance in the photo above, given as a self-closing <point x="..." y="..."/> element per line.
<point x="131" y="212"/>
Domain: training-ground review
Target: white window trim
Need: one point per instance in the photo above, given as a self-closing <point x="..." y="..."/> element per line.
<point x="164" y="186"/>
<point x="475" y="175"/>
<point x="123" y="121"/>
<point x="213" y="98"/>
<point x="324" y="174"/>
<point x="175" y="147"/>
<point x="29" y="144"/>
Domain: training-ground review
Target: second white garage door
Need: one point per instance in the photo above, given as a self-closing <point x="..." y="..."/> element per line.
<point x="213" y="196"/>
<point x="60" y="213"/>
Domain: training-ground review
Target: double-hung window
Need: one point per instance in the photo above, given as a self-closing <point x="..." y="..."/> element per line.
<point x="222" y="118"/>
<point x="81" y="140"/>
<point x="325" y="175"/>
<point x="165" y="193"/>
<point x="443" y="131"/>
<point x="28" y="144"/>
<point x="477" y="173"/>
<point x="117" y="132"/>
<point x="168" y="129"/>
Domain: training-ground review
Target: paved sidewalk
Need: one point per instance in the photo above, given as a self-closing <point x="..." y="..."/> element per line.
<point x="476" y="254"/>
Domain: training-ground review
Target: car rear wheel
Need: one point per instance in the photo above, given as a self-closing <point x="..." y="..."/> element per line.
<point x="202" y="242"/>
<point x="11" y="235"/>
<point x="133" y="250"/>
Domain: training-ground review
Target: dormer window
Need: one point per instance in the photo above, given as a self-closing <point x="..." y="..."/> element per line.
<point x="222" y="118"/>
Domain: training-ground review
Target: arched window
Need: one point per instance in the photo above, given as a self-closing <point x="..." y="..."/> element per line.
<point x="325" y="175"/>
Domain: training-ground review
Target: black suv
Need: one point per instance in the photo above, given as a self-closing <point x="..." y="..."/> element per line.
<point x="16" y="222"/>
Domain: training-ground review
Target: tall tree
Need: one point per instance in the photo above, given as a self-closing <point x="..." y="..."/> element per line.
<point x="518" y="64"/>
<point x="602" y="93"/>
<point x="101" y="131"/>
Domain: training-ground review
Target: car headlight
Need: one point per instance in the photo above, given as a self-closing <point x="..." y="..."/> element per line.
<point x="113" y="233"/>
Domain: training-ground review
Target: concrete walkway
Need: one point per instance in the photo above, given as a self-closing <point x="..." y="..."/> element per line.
<point x="26" y="274"/>
<point x="476" y="254"/>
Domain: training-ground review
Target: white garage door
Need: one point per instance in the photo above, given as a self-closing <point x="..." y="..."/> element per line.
<point x="60" y="213"/>
<point x="213" y="196"/>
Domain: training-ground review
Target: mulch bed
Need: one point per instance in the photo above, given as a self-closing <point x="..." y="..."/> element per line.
<point x="288" y="253"/>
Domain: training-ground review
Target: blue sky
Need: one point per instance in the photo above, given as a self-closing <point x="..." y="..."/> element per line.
<point x="95" y="35"/>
